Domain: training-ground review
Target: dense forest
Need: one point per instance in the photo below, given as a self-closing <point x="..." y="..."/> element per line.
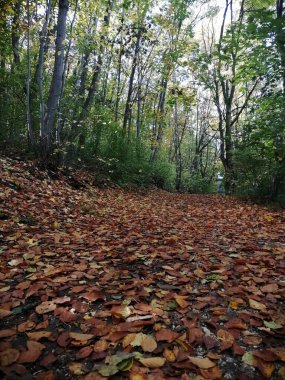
<point x="150" y="92"/>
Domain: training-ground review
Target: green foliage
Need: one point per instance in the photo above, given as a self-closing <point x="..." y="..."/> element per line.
<point x="194" y="183"/>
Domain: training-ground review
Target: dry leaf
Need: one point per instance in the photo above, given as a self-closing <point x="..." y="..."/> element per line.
<point x="155" y="362"/>
<point x="45" y="307"/>
<point x="9" y="356"/>
<point x="256" y="305"/>
<point x="203" y="363"/>
<point x="148" y="344"/>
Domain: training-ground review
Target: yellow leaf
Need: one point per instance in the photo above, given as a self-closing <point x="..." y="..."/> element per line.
<point x="256" y="305"/>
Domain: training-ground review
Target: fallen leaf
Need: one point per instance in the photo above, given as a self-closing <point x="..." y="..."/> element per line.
<point x="154" y="362"/>
<point x="265" y="368"/>
<point x="76" y="369"/>
<point x="45" y="307"/>
<point x="272" y="325"/>
<point x="148" y="344"/>
<point x="7" y="333"/>
<point x="166" y="335"/>
<point x="226" y="338"/>
<point x="211" y="373"/>
<point x="248" y="358"/>
<point x="252" y="340"/>
<point x="101" y="345"/>
<point x="270" y="288"/>
<point x="39" y="335"/>
<point x="121" y="311"/>
<point x="9" y="356"/>
<point x="203" y="363"/>
<point x="279" y="351"/>
<point x="256" y="305"/>
<point x="169" y="355"/>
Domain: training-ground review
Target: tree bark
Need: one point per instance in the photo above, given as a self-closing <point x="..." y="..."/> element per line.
<point x="128" y="108"/>
<point x="56" y="78"/>
<point x="16" y="33"/>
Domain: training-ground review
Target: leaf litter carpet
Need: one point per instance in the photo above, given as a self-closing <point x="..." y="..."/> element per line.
<point x="105" y="283"/>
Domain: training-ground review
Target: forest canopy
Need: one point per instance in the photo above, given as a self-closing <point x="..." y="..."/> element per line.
<point x="151" y="92"/>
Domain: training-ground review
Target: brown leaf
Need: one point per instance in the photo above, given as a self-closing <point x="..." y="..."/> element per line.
<point x="279" y="351"/>
<point x="265" y="368"/>
<point x="83" y="353"/>
<point x="266" y="355"/>
<point x="148" y="344"/>
<point x="226" y="338"/>
<point x="236" y="324"/>
<point x="252" y="340"/>
<point x="121" y="311"/>
<point x="32" y="354"/>
<point x="209" y="342"/>
<point x="48" y="359"/>
<point x="7" y="333"/>
<point x="101" y="346"/>
<point x="79" y="338"/>
<point x="9" y="356"/>
<point x="211" y="373"/>
<point x="49" y="375"/>
<point x="94" y="376"/>
<point x="45" y="307"/>
<point x="26" y="326"/>
<point x="270" y="288"/>
<point x="64" y="339"/>
<point x="166" y="335"/>
<point x="4" y="313"/>
<point x="39" y="335"/>
<point x="154" y="362"/>
<point x="203" y="363"/>
<point x="93" y="295"/>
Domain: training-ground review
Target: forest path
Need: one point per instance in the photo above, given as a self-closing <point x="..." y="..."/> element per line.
<point x="104" y="283"/>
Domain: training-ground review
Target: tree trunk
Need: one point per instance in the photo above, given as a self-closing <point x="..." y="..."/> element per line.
<point x="60" y="119"/>
<point x="159" y="119"/>
<point x="31" y="137"/>
<point x="16" y="33"/>
<point x="96" y="73"/>
<point x="128" y="108"/>
<point x="56" y="78"/>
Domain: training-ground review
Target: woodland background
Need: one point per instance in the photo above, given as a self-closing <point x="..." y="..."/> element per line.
<point x="148" y="92"/>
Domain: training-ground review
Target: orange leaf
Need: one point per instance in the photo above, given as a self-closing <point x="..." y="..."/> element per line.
<point x="169" y="355"/>
<point x="265" y="368"/>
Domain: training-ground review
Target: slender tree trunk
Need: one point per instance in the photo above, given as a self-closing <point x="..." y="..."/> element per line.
<point x="16" y="33"/>
<point x="128" y="108"/>
<point x="159" y="123"/>
<point x="40" y="68"/>
<point x="56" y="81"/>
<point x="96" y="73"/>
<point x="279" y="182"/>
<point x="60" y="120"/>
<point x="29" y="122"/>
